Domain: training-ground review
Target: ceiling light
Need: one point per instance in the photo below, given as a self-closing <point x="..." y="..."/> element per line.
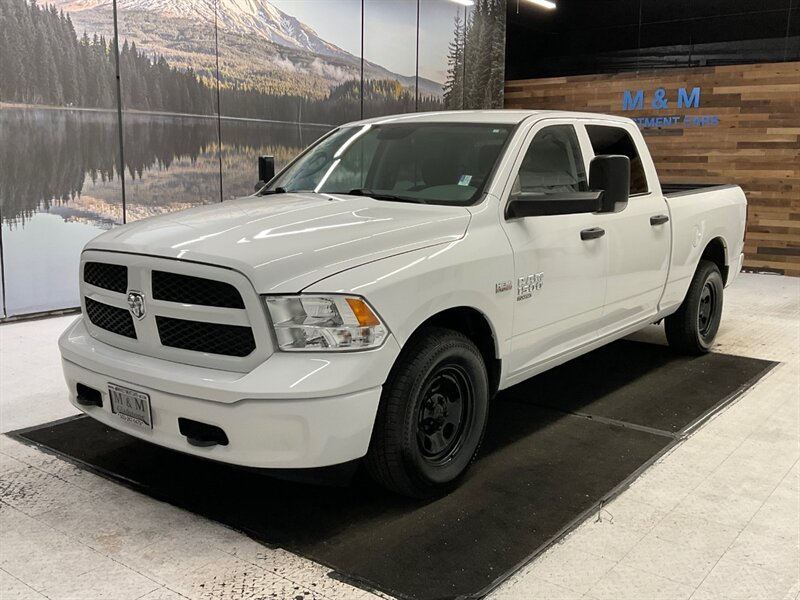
<point x="465" y="2"/>
<point x="545" y="3"/>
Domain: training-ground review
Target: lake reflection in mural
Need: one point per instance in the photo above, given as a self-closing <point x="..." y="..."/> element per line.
<point x="58" y="167"/>
<point x="58" y="189"/>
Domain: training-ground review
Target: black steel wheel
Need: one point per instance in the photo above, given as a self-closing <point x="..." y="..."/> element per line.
<point x="694" y="326"/>
<point x="444" y="413"/>
<point x="432" y="415"/>
<point x="706" y="309"/>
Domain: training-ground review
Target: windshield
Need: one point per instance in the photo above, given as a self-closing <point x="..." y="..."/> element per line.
<point x="432" y="163"/>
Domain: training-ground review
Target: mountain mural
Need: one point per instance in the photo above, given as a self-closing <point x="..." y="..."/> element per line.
<point x="260" y="46"/>
<point x="289" y="70"/>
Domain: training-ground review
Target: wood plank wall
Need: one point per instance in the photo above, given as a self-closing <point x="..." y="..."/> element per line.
<point x="756" y="144"/>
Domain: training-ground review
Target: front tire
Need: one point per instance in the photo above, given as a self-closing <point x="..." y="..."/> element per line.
<point x="692" y="329"/>
<point x="432" y="415"/>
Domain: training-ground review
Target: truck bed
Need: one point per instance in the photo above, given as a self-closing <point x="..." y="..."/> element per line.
<point x="700" y="214"/>
<point x="672" y="190"/>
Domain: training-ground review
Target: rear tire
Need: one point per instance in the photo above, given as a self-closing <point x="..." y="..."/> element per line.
<point x="432" y="415"/>
<point x="692" y="329"/>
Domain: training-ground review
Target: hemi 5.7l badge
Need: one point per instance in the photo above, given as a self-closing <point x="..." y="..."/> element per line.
<point x="502" y="286"/>
<point x="529" y="284"/>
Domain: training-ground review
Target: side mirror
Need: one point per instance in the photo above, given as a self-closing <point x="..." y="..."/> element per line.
<point x="611" y="173"/>
<point x="266" y="170"/>
<point x="527" y="204"/>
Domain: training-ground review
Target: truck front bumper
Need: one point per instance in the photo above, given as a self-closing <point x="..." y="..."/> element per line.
<point x="295" y="410"/>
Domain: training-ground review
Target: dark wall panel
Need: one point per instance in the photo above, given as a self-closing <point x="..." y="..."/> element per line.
<point x="586" y="36"/>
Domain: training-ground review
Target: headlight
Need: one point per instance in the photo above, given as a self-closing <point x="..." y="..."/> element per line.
<point x="313" y="323"/>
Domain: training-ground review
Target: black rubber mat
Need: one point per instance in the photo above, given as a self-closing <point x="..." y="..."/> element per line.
<point x="640" y="384"/>
<point x="556" y="447"/>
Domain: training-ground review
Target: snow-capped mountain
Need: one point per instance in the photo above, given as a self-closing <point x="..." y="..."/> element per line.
<point x="293" y="58"/>
<point x="247" y="17"/>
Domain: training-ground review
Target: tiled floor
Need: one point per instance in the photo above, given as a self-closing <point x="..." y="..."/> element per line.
<point x="718" y="518"/>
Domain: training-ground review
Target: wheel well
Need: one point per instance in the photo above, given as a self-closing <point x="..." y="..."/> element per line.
<point x="715" y="252"/>
<point x="475" y="326"/>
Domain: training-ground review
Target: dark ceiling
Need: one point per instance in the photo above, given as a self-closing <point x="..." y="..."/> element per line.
<point x="606" y="36"/>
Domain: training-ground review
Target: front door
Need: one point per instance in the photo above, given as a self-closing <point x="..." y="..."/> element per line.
<point x="560" y="274"/>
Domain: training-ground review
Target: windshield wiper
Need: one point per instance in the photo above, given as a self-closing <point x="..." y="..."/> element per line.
<point x="390" y="197"/>
<point x="277" y="190"/>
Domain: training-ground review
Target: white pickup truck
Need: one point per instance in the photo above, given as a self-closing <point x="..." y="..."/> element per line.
<point x="373" y="297"/>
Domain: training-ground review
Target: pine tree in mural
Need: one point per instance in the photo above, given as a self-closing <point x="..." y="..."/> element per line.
<point x="475" y="62"/>
<point x="454" y="86"/>
<point x="45" y="63"/>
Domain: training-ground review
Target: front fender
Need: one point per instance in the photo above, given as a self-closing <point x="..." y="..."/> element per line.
<point x="409" y="288"/>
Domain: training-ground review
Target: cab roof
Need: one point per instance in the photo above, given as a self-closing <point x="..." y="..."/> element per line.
<point x="511" y="117"/>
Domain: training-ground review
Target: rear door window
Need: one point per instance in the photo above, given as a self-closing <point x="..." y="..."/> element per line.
<point x="607" y="139"/>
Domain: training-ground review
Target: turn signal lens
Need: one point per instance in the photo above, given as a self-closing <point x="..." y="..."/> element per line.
<point x="362" y="312"/>
<point x="324" y="323"/>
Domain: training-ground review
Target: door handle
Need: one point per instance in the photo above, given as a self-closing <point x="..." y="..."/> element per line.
<point x="593" y="233"/>
<point x="658" y="220"/>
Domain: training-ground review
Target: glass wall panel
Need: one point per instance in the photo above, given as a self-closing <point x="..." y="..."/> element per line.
<point x="58" y="148"/>
<point x="285" y="79"/>
<point x="243" y="141"/>
<point x="390" y="57"/>
<point x="169" y="101"/>
<point x="441" y="43"/>
<point x="484" y="46"/>
<point x="280" y="73"/>
<point x="2" y="287"/>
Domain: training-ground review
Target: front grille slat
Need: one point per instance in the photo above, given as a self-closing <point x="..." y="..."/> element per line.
<point x="214" y="338"/>
<point x="173" y="287"/>
<point x="107" y="276"/>
<point x="113" y="319"/>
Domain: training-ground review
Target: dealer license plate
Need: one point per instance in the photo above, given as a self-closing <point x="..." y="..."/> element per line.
<point x="131" y="406"/>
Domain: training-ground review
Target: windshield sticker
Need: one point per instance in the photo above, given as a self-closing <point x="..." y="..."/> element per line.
<point x="464" y="179"/>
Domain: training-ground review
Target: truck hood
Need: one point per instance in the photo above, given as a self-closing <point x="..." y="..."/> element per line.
<point x="286" y="242"/>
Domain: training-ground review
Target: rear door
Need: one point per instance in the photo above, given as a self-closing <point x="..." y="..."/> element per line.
<point x="559" y="284"/>
<point x="638" y="234"/>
